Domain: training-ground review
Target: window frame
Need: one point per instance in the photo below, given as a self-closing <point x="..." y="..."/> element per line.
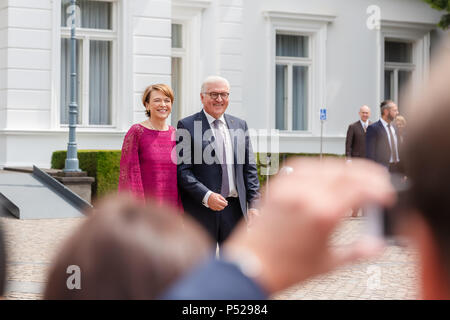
<point x="396" y="67"/>
<point x="290" y="62"/>
<point x="86" y="35"/>
<point x="189" y="14"/>
<point x="416" y="33"/>
<point x="315" y="27"/>
<point x="181" y="53"/>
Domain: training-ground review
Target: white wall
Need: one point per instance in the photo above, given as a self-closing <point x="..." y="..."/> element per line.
<point x="3" y="65"/>
<point x="28" y="73"/>
<point x="230" y="33"/>
<point x="151" y="48"/>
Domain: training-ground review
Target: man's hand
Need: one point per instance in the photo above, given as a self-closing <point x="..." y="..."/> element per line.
<point x="291" y="238"/>
<point x="217" y="202"/>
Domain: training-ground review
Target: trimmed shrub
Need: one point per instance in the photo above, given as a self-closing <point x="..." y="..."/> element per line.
<point x="261" y="161"/>
<point x="103" y="165"/>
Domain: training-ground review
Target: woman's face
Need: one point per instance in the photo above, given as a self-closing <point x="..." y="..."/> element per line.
<point x="400" y="123"/>
<point x="159" y="105"/>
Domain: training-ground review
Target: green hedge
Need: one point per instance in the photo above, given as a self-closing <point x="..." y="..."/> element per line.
<point x="261" y="161"/>
<point x="103" y="165"/>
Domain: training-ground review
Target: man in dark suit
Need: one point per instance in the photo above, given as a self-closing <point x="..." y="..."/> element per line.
<point x="355" y="143"/>
<point x="381" y="138"/>
<point x="217" y="175"/>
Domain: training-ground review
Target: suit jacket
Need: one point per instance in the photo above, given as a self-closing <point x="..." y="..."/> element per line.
<point x="196" y="177"/>
<point x="215" y="280"/>
<point x="355" y="143"/>
<point x="377" y="144"/>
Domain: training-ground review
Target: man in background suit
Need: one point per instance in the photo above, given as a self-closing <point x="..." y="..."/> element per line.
<point x="355" y="143"/>
<point x="216" y="193"/>
<point x="381" y="138"/>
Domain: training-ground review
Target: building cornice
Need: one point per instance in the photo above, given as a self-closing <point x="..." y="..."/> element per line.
<point x="80" y="132"/>
<point x="422" y="26"/>
<point x="201" y="4"/>
<point x="325" y="18"/>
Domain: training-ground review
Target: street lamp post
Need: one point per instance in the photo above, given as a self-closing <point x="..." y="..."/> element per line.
<point x="71" y="164"/>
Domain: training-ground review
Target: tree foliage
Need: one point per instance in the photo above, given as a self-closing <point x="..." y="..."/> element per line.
<point x="442" y="5"/>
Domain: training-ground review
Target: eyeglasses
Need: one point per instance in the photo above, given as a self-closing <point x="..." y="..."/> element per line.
<point x="215" y="95"/>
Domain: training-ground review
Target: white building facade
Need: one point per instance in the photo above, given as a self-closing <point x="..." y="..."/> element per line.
<point x="285" y="60"/>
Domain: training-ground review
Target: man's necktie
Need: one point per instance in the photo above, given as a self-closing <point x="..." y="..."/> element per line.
<point x="365" y="127"/>
<point x="222" y="156"/>
<point x="393" y="144"/>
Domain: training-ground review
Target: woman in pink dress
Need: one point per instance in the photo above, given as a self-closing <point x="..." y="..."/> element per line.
<point x="148" y="164"/>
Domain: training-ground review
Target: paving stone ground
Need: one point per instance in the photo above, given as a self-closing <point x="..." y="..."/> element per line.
<point x="391" y="276"/>
<point x="32" y="245"/>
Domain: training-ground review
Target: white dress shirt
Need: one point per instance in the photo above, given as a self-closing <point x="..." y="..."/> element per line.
<point x="229" y="156"/>
<point x="385" y="124"/>
<point x="364" y="123"/>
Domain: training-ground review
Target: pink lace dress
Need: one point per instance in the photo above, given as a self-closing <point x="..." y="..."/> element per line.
<point x="148" y="166"/>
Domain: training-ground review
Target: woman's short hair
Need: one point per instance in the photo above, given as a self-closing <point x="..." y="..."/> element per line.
<point x="127" y="251"/>
<point x="401" y="119"/>
<point x="164" y="88"/>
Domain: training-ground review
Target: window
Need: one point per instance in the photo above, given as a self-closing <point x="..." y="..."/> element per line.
<point x="96" y="39"/>
<point x="405" y="57"/>
<point x="297" y="72"/>
<point x="293" y="64"/>
<point x="178" y="57"/>
<point x="398" y="68"/>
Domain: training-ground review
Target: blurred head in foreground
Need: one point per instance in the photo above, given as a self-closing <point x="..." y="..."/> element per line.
<point x="126" y="251"/>
<point x="427" y="154"/>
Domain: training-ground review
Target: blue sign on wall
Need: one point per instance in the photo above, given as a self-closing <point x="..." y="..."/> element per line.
<point x="323" y="114"/>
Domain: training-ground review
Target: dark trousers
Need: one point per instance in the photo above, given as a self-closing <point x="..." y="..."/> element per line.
<point x="227" y="219"/>
<point x="219" y="224"/>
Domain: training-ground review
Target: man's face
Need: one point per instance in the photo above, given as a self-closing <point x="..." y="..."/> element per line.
<point x="215" y="107"/>
<point x="393" y="112"/>
<point x="364" y="113"/>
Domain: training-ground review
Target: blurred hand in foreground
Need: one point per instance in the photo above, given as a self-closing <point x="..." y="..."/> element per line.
<point x="290" y="238"/>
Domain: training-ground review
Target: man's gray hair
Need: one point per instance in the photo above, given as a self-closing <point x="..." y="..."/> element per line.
<point x="214" y="79"/>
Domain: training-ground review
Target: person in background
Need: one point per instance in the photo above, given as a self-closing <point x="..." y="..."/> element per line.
<point x="400" y="124"/>
<point x="147" y="167"/>
<point x="126" y="250"/>
<point x="355" y="142"/>
<point x="382" y="140"/>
